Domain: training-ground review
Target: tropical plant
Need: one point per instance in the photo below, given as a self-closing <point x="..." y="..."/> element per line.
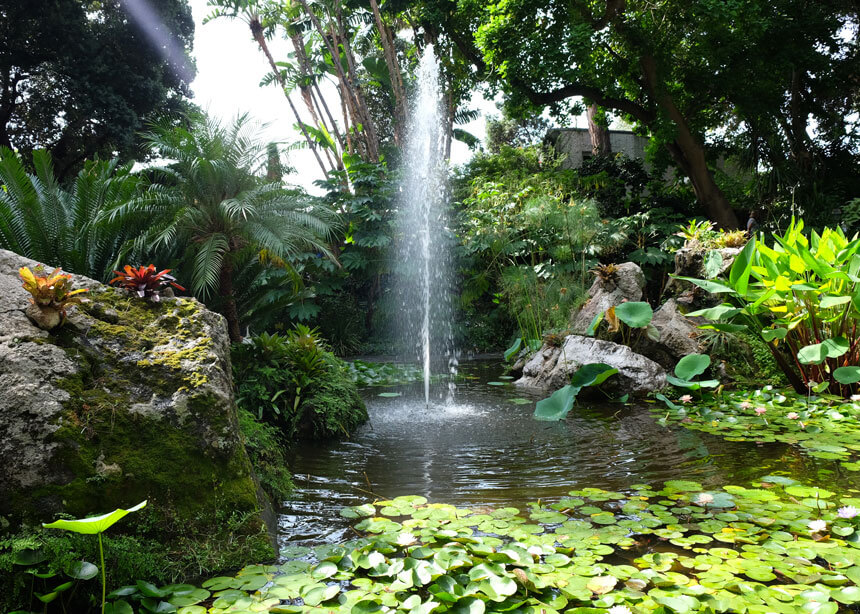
<point x="802" y="298"/>
<point x="689" y="367"/>
<point x="42" y="220"/>
<point x="630" y="320"/>
<point x="144" y="281"/>
<point x="556" y="406"/>
<point x="50" y="294"/>
<point x="96" y="525"/>
<point x="214" y="199"/>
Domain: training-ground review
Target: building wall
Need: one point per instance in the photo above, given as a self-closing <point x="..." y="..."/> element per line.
<point x="576" y="143"/>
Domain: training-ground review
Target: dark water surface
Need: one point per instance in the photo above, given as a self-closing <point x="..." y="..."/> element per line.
<point x="482" y="449"/>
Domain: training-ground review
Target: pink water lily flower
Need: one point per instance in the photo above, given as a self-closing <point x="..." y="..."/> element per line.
<point x="855" y="397"/>
<point x="849" y="511"/>
<point x="792" y="415"/>
<point x="746" y="405"/>
<point x="686" y="399"/>
<point x="760" y="410"/>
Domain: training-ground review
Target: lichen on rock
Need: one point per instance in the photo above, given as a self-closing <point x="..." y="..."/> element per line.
<point x="128" y="400"/>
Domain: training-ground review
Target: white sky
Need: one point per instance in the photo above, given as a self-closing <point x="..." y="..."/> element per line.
<point x="229" y="70"/>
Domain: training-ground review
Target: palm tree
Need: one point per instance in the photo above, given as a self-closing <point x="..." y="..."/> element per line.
<point x="213" y="200"/>
<point x="42" y="220"/>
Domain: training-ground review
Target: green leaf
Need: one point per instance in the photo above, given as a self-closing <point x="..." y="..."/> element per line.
<point x="847" y="375"/>
<point x="713" y="287"/>
<point x="819" y="352"/>
<point x="634" y="314"/>
<point x="712" y="263"/>
<point x="739" y="275"/>
<point x="514" y="349"/>
<point x="29" y="556"/>
<point x="96" y="524"/>
<point x="769" y="334"/>
<point x="720" y="312"/>
<point x="592" y="374"/>
<point x="81" y="570"/>
<point x="557" y="405"/>
<point x="833" y="301"/>
<point x="692" y="365"/>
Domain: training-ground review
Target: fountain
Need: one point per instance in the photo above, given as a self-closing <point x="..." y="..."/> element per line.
<point x="423" y="258"/>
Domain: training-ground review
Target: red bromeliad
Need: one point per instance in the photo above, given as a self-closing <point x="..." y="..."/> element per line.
<point x="144" y="281"/>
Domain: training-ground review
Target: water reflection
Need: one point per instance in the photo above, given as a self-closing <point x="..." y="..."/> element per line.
<point x="485" y="450"/>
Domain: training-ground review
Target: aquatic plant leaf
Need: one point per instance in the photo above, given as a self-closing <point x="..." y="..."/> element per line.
<point x="692" y="365"/>
<point x="389" y="395"/>
<point x="521" y="401"/>
<point x="816" y="353"/>
<point x="635" y="314"/>
<point x="847" y="375"/>
<point x="592" y="374"/>
<point x="96" y="524"/>
<point x="557" y="405"/>
<point x="514" y="349"/>
<point x="82" y="570"/>
<point x="497" y="383"/>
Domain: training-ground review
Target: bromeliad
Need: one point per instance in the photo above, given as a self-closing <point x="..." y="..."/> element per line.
<point x="144" y="281"/>
<point x="50" y="295"/>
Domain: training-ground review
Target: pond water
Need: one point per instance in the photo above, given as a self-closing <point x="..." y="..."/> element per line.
<point x="484" y="449"/>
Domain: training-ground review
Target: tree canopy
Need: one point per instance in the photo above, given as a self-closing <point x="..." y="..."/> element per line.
<point x="81" y="78"/>
<point x="755" y="71"/>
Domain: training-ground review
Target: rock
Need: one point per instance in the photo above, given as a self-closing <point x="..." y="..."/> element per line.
<point x="689" y="262"/>
<point x="627" y="285"/>
<point x="128" y="400"/>
<point x="551" y="367"/>
<point x="678" y="336"/>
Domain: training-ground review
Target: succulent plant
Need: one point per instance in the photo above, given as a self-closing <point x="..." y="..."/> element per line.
<point x="145" y="281"/>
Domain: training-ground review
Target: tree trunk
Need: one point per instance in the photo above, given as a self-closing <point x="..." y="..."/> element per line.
<point x="225" y="289"/>
<point x="390" y="54"/>
<point x="689" y="153"/>
<point x="600" y="144"/>
<point x="257" y="33"/>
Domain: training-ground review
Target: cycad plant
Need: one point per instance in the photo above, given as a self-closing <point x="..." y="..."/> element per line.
<point x="63" y="227"/>
<point x="213" y="201"/>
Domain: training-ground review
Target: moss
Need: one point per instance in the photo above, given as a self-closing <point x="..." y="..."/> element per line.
<point x="117" y="447"/>
<point x="266" y="449"/>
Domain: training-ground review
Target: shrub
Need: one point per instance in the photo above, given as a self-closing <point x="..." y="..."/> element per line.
<point x="802" y="298"/>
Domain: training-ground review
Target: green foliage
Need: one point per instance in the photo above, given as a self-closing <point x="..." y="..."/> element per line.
<point x="266" y="450"/>
<point x="801" y="298"/>
<point x="557" y="405"/>
<point x="66" y="226"/>
<point x="216" y="207"/>
<point x="775" y="545"/>
<point x="823" y="426"/>
<point x="84" y="79"/>
<point x="95" y="525"/>
<point x="383" y="373"/>
<point x="689" y="367"/>
<point x="293" y="383"/>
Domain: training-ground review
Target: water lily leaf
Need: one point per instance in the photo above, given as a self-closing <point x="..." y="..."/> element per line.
<point x="389" y="395"/>
<point x="96" y="524"/>
<point x="808" y="492"/>
<point x="29" y="556"/>
<point x="592" y="374"/>
<point x="468" y="605"/>
<point x="521" y="401"/>
<point x="635" y="314"/>
<point x="692" y="365"/>
<point x="556" y="406"/>
<point x="601" y="585"/>
<point x="367" y="606"/>
<point x="497" y="383"/>
<point x="847" y="375"/>
<point x="81" y="570"/>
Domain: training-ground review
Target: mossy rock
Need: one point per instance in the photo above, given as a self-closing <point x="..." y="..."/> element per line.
<point x="129" y="400"/>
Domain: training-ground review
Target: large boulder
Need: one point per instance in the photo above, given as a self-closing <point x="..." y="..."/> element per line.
<point x="552" y="366"/>
<point x="128" y="400"/>
<point x="627" y="284"/>
<point x="678" y="336"/>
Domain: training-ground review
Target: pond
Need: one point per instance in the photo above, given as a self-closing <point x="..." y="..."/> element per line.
<point x="483" y="448"/>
